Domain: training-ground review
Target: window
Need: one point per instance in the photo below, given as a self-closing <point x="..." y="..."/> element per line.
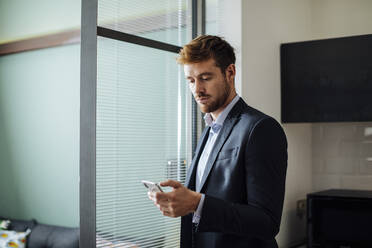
<point x="141" y="134"/>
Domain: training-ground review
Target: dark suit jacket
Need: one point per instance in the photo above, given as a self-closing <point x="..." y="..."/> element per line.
<point x="243" y="183"/>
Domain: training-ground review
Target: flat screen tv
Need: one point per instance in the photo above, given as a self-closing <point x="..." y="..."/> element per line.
<point x="327" y="80"/>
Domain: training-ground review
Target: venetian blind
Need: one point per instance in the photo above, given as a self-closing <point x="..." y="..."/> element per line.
<point x="142" y="122"/>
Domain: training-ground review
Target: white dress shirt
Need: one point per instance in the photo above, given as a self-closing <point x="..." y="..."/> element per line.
<point x="215" y="127"/>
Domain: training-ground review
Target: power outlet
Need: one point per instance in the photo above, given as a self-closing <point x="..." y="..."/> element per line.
<point x="301" y="208"/>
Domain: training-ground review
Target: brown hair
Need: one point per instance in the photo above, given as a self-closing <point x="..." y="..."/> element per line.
<point x="205" y="47"/>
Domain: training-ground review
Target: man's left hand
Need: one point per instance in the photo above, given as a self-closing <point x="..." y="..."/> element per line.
<point x="179" y="202"/>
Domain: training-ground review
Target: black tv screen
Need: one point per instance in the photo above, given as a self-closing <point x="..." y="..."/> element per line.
<point x="327" y="80"/>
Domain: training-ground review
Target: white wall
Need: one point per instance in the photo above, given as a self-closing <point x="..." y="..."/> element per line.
<point x="336" y="18"/>
<point x="267" y="24"/>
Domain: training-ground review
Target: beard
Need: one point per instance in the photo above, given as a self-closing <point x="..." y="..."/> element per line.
<point x="218" y="102"/>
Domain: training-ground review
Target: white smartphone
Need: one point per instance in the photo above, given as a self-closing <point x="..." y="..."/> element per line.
<point x="153" y="187"/>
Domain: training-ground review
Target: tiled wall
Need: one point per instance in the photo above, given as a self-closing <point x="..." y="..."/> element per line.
<point x="342" y="155"/>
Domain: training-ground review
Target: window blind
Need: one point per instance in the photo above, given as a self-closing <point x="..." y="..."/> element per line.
<point x="142" y="124"/>
<point x="161" y="20"/>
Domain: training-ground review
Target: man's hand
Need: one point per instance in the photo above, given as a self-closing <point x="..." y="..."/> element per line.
<point x="179" y="202"/>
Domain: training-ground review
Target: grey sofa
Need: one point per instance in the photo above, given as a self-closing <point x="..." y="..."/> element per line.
<point x="46" y="236"/>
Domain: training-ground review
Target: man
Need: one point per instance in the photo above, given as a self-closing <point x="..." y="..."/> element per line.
<point x="234" y="190"/>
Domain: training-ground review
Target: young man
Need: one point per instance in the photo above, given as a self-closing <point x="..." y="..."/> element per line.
<point x="234" y="190"/>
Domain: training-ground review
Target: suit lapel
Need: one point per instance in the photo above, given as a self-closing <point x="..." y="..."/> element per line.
<point x="225" y="131"/>
<point x="190" y="175"/>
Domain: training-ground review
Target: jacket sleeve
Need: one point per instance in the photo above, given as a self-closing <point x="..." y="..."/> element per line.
<point x="265" y="163"/>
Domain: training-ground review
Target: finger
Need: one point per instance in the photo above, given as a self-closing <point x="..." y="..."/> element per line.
<point x="169" y="214"/>
<point x="171" y="183"/>
<point x="161" y="197"/>
<point x="166" y="213"/>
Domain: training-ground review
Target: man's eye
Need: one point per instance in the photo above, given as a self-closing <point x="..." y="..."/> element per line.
<point x="205" y="79"/>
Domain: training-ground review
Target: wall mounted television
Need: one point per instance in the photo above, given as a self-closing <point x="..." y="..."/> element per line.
<point x="327" y="80"/>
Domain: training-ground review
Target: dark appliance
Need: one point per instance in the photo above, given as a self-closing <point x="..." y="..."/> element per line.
<point x="327" y="80"/>
<point x="339" y="219"/>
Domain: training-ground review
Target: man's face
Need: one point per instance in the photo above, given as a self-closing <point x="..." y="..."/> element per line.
<point x="210" y="87"/>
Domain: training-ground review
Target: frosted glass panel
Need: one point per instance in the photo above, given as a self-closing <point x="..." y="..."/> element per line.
<point x="161" y="20"/>
<point x="141" y="135"/>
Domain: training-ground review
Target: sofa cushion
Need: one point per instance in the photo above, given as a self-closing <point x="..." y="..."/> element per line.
<point x="13" y="238"/>
<point x="49" y="236"/>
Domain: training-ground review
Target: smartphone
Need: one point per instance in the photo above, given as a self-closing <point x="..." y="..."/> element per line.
<point x="153" y="187"/>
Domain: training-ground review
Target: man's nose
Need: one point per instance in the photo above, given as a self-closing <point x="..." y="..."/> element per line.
<point x="199" y="87"/>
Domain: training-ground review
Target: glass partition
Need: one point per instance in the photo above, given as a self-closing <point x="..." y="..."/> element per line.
<point x="142" y="120"/>
<point x="141" y="135"/>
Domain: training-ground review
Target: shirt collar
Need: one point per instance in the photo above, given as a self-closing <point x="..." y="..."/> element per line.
<point x="217" y="124"/>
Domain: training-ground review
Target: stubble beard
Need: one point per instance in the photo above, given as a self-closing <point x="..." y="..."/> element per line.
<point x="219" y="102"/>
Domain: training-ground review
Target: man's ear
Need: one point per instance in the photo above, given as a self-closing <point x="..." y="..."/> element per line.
<point x="230" y="72"/>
